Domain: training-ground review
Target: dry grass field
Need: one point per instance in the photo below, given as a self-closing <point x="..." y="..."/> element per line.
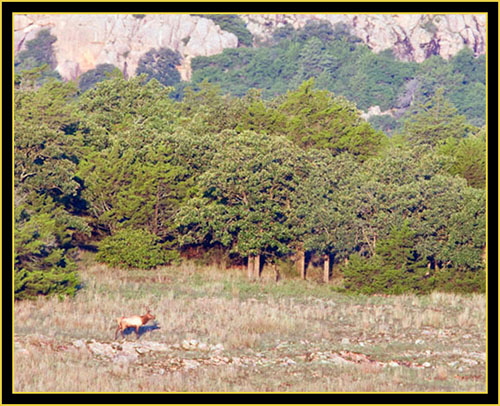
<point x="219" y="332"/>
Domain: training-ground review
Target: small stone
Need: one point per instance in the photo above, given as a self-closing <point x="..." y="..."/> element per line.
<point x="345" y="341"/>
<point x="393" y="364"/>
<point x="186" y="345"/>
<point x="125" y="358"/>
<point x="288" y="361"/>
<point x="79" y="343"/>
<point x="190" y="364"/>
<point x="469" y="361"/>
<point x="426" y="364"/>
<point x="419" y="341"/>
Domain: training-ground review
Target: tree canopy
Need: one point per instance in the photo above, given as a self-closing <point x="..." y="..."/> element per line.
<point x="249" y="170"/>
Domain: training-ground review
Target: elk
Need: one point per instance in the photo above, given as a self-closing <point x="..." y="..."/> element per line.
<point x="133" y="321"/>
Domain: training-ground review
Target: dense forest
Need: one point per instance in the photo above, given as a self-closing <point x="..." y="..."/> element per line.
<point x="263" y="156"/>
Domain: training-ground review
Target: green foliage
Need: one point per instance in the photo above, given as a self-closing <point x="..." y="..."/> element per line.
<point x="131" y="174"/>
<point x="394" y="269"/>
<point x="323" y="204"/>
<point x="39" y="52"/>
<point x="47" y="191"/>
<point x="244" y="199"/>
<point x="46" y="145"/>
<point x="463" y="79"/>
<point x="89" y="79"/>
<point x="237" y="170"/>
<point x="343" y="65"/>
<point x="314" y="118"/>
<point x="331" y="54"/>
<point x="231" y="23"/>
<point x="134" y="248"/>
<point x="160" y="65"/>
<point x="43" y="258"/>
<point x="469" y="158"/>
<point x="463" y="281"/>
<point x="435" y="121"/>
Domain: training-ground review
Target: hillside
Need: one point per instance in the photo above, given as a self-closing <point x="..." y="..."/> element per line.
<point x="86" y="40"/>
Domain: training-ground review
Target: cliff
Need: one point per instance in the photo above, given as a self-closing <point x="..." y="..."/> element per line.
<point x="86" y="40"/>
<point x="413" y="37"/>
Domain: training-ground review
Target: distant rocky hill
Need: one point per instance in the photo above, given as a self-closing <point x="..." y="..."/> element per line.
<point x="86" y="40"/>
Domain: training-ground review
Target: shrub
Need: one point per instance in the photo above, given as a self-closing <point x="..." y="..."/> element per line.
<point x="42" y="263"/>
<point x="394" y="269"/>
<point x="461" y="281"/>
<point x="59" y="280"/>
<point x="133" y="249"/>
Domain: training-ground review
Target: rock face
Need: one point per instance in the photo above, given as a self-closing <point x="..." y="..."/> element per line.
<point x="413" y="37"/>
<point x="86" y="40"/>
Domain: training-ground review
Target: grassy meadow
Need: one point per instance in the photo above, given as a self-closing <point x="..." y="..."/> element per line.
<point x="220" y="332"/>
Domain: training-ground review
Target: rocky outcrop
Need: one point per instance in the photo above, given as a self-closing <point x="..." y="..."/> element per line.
<point x="86" y="40"/>
<point x="413" y="37"/>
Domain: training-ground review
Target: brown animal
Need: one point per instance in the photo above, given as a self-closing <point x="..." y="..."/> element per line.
<point x="133" y="321"/>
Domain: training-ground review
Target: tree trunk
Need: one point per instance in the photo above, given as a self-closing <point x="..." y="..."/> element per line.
<point x="326" y="268"/>
<point x="277" y="275"/>
<point x="157" y="204"/>
<point x="250" y="267"/>
<point x="256" y="268"/>
<point x="300" y="263"/>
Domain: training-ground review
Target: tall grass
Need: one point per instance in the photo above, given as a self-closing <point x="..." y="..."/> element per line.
<point x="265" y="319"/>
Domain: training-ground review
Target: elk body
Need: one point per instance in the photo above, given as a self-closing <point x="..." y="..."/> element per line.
<point x="133" y="321"/>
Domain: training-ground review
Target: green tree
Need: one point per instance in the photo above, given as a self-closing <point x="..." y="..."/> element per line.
<point x="46" y="144"/>
<point x="244" y="199"/>
<point x="315" y="118"/>
<point x="39" y="52"/>
<point x="44" y="255"/>
<point x="130" y="176"/>
<point x="46" y="190"/>
<point x="161" y="65"/>
<point x="435" y="121"/>
<point x="394" y="269"/>
<point x="93" y="76"/>
<point x="323" y="204"/>
<point x="469" y="158"/>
